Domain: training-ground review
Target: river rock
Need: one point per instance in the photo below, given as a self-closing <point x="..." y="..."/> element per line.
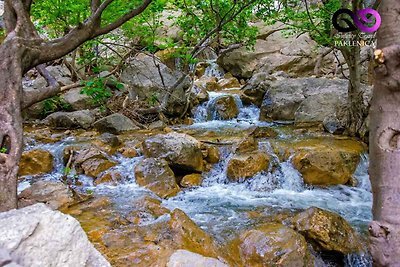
<point x="184" y="258"/>
<point x="227" y="83"/>
<point x="89" y="160"/>
<point x="157" y="176"/>
<point x="70" y="120"/>
<point x="191" y="180"/>
<point x="208" y="84"/>
<point x="54" y="194"/>
<point x="213" y="155"/>
<point x="223" y="108"/>
<point x="327" y="231"/>
<point x="115" y="124"/>
<point x="146" y="208"/>
<point x="247" y="144"/>
<point x="254" y="90"/>
<point x="189" y="236"/>
<point x="110" y="177"/>
<point x="35" y="161"/>
<point x="247" y="165"/>
<point x="78" y="101"/>
<point x="326" y="166"/>
<point x="272" y="245"/>
<point x="147" y="77"/>
<point x="94" y="166"/>
<point x="38" y="236"/>
<point x="181" y="151"/>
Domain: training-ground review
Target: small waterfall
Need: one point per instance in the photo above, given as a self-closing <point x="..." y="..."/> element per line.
<point x="214" y="70"/>
<point x="358" y="260"/>
<point x="206" y="112"/>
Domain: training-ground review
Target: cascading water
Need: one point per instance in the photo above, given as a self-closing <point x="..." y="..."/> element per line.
<point x="222" y="207"/>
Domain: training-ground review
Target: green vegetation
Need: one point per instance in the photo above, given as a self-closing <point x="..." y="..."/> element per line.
<point x="97" y="89"/>
<point x="54" y="104"/>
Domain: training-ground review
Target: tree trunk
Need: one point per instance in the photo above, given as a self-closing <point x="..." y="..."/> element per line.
<point x="10" y="122"/>
<point x="357" y="111"/>
<point x="385" y="141"/>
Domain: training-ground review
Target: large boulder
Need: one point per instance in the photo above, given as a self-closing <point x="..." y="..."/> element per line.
<point x="38" y="236"/>
<point x="305" y="100"/>
<point x="325" y="166"/>
<point x="284" y="97"/>
<point x="247" y="165"/>
<point x="148" y="78"/>
<point x="69" y="120"/>
<point x="157" y="176"/>
<point x="223" y="108"/>
<point x="35" y="161"/>
<point x="53" y="193"/>
<point x="115" y="124"/>
<point x="272" y="245"/>
<point x="321" y="161"/>
<point x="274" y="51"/>
<point x="181" y="151"/>
<point x="185" y="258"/>
<point x="327" y="231"/>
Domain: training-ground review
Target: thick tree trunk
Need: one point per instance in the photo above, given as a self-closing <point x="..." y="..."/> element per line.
<point x="385" y="141"/>
<point x="10" y="122"/>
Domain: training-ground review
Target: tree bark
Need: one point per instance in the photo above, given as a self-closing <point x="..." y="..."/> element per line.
<point x="385" y="141"/>
<point x="357" y="112"/>
<point x="22" y="50"/>
<point x="10" y="122"/>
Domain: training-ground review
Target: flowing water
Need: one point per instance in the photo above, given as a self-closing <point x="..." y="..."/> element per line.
<point x="222" y="208"/>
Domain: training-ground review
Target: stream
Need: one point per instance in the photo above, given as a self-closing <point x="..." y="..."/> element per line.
<point x="221" y="207"/>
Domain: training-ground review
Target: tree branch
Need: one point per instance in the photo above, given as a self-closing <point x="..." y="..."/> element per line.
<point x="123" y="19"/>
<point x="53" y="88"/>
<point x="59" y="47"/>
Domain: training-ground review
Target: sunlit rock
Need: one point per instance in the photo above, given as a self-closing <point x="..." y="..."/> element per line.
<point x="272" y="245"/>
<point x="327" y="231"/>
<point x="191" y="180"/>
<point x="223" y="108"/>
<point x="157" y="176"/>
<point x="181" y="151"/>
<point x="35" y="161"/>
<point x="247" y="165"/>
